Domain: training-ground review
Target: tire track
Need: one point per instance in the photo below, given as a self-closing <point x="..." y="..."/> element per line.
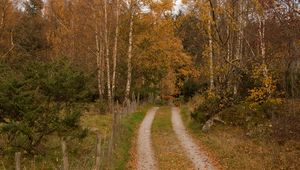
<point x="169" y="154"/>
<point x="199" y="159"/>
<point x="146" y="160"/>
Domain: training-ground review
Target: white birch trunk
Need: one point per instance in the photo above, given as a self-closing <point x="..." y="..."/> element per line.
<point x="107" y="55"/>
<point x="99" y="60"/>
<point x="238" y="54"/>
<point x="115" y="50"/>
<point x="129" y="67"/>
<point x="261" y="33"/>
<point x="211" y="66"/>
<point x="228" y="54"/>
<point x="102" y="77"/>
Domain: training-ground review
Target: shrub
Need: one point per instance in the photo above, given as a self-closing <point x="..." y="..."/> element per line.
<point x="255" y="120"/>
<point x="39" y="102"/>
<point x="265" y="89"/>
<point x="212" y="104"/>
<point x="207" y="108"/>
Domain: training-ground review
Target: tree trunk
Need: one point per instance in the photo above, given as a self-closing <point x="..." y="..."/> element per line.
<point x="211" y="67"/>
<point x="212" y="3"/>
<point x="238" y="54"/>
<point x="261" y="33"/>
<point x="107" y="55"/>
<point x="129" y="67"/>
<point x="2" y="18"/>
<point x="228" y="56"/>
<point x="64" y="154"/>
<point x="18" y="160"/>
<point x="115" y="50"/>
<point x="4" y="8"/>
<point x="102" y="48"/>
<point x="99" y="60"/>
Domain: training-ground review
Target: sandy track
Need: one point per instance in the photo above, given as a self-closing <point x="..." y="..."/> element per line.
<point x="193" y="152"/>
<point x="146" y="160"/>
<point x="169" y="154"/>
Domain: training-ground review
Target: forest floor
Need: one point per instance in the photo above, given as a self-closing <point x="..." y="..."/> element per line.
<point x="167" y="145"/>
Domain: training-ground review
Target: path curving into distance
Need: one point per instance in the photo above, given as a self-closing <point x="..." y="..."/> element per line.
<point x="199" y="159"/>
<point x="146" y="159"/>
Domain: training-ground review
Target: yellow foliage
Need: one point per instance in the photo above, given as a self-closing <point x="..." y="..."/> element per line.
<point x="160" y="55"/>
<point x="263" y="93"/>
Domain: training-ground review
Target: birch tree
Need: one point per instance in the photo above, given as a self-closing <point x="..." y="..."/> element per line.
<point x="261" y="33"/>
<point x="210" y="46"/>
<point x="107" y="59"/>
<point x="238" y="10"/>
<point x="260" y="16"/>
<point x="211" y="62"/>
<point x="115" y="50"/>
<point x="98" y="55"/>
<point x="129" y="54"/>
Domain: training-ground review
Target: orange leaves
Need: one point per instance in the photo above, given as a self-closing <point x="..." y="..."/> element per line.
<point x="263" y="93"/>
<point x="159" y="53"/>
<point x="159" y="7"/>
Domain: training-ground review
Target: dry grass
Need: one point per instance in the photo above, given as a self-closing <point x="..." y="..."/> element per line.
<point x="132" y="162"/>
<point x="237" y="151"/>
<point x="94" y="120"/>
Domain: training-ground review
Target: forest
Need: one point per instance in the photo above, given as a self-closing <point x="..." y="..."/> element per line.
<point x="82" y="80"/>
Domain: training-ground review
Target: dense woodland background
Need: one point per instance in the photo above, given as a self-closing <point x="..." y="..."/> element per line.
<point x="57" y="56"/>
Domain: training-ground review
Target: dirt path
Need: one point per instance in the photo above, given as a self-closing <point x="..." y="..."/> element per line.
<point x="168" y="151"/>
<point x="146" y="160"/>
<point x="192" y="151"/>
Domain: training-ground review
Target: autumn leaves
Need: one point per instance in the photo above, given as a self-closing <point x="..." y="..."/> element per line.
<point x="170" y="146"/>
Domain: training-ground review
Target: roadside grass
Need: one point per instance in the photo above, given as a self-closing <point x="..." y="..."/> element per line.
<point x="237" y="151"/>
<point x="128" y="131"/>
<point x="167" y="149"/>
